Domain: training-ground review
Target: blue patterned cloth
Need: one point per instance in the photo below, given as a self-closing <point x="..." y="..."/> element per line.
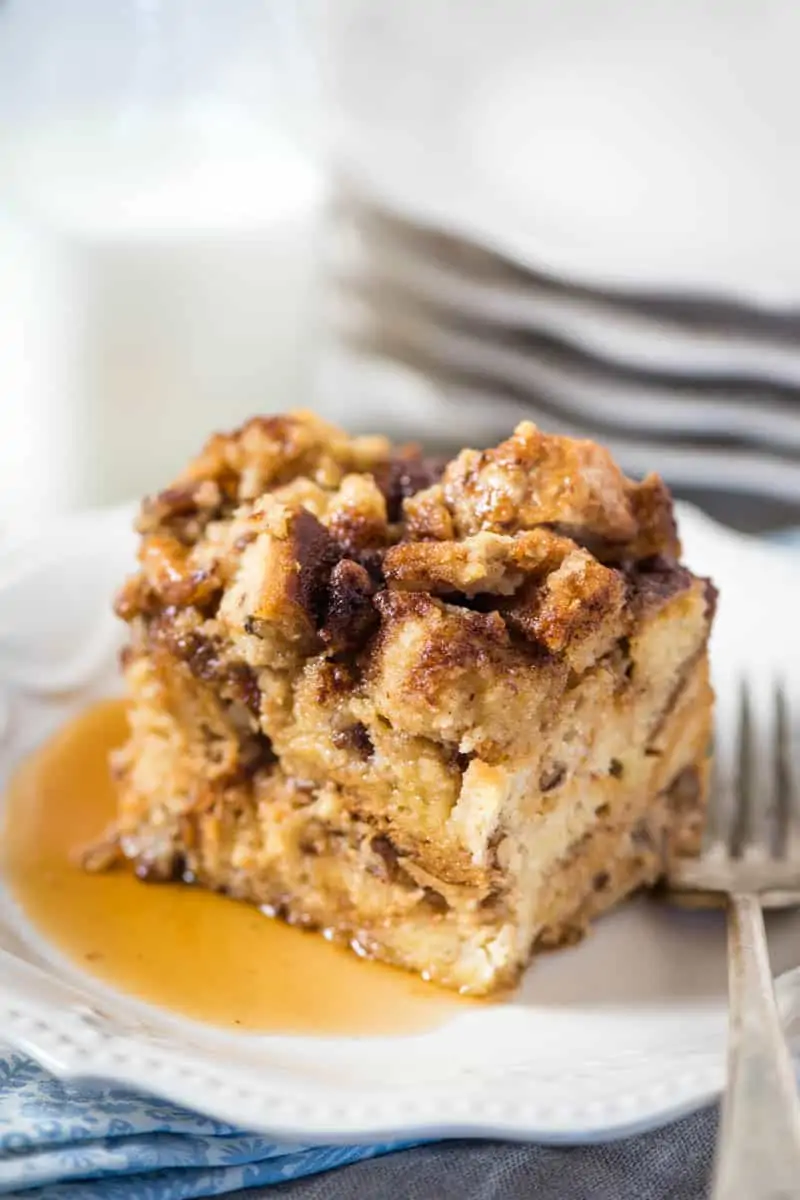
<point x="81" y="1143"/>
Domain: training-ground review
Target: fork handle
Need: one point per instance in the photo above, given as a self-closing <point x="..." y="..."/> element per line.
<point x="758" y="1150"/>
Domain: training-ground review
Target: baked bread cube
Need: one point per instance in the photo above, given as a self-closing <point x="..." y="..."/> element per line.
<point x="446" y="712"/>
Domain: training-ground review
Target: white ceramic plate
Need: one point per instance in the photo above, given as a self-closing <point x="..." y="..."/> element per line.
<point x="619" y="1034"/>
<point x="613" y="145"/>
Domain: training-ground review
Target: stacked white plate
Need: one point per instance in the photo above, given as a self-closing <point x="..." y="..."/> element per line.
<point x="584" y="214"/>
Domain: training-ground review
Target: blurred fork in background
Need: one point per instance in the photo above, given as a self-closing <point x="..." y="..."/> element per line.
<point x="704" y="390"/>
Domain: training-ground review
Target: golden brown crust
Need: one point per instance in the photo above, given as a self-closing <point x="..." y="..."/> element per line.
<point x="268" y="451"/>
<point x="480" y="563"/>
<point x="436" y="674"/>
<point x="302" y="568"/>
<point x="579" y="611"/>
<point x="535" y="479"/>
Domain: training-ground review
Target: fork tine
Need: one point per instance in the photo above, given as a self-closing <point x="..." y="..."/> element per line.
<point x="742" y="770"/>
<point x="759" y="778"/>
<point x="783" y="767"/>
<point x="790" y="777"/>
<point x="722" y="806"/>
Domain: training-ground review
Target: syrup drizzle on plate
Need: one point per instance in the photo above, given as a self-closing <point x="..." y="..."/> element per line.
<point x="179" y="947"/>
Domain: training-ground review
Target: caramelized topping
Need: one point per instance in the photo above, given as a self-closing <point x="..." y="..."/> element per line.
<point x="328" y="529"/>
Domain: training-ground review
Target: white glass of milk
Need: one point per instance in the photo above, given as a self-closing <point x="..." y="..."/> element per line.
<point x="159" y="220"/>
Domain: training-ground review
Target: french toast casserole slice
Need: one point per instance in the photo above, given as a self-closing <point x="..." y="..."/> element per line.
<point x="445" y="712"/>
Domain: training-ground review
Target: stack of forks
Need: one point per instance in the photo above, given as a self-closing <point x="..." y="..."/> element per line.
<point x="707" y="391"/>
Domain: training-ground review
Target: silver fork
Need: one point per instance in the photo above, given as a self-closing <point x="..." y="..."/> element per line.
<point x="751" y="855"/>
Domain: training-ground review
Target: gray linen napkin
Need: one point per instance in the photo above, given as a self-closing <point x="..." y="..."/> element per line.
<point x="673" y="1163"/>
